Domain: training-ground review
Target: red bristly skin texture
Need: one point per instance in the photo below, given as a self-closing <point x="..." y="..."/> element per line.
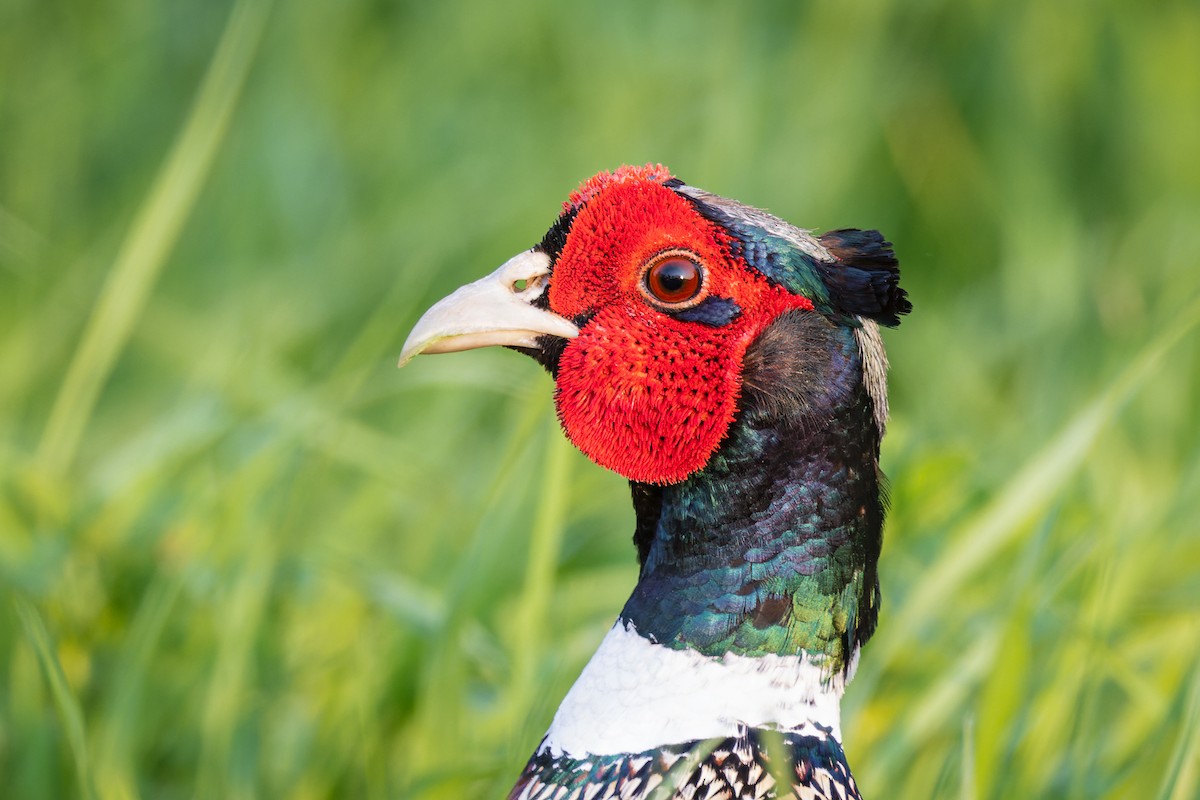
<point x="640" y="392"/>
<point x="602" y="180"/>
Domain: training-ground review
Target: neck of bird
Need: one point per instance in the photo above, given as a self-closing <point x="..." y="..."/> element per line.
<point x="757" y="586"/>
<point x="772" y="549"/>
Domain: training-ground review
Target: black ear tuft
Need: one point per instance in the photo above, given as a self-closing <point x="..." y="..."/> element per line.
<point x="865" y="278"/>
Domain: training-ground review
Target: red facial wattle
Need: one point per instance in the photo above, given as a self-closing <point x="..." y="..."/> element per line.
<point x="641" y="392"/>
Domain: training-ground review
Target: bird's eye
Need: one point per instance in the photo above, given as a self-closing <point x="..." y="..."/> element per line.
<point x="673" y="279"/>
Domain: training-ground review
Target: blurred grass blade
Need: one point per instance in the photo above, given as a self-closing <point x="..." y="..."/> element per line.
<point x="683" y="767"/>
<point x="782" y="769"/>
<point x="533" y="606"/>
<point x="116" y="775"/>
<point x="243" y="605"/>
<point x="1182" y="778"/>
<point x="155" y="230"/>
<point x="966" y="786"/>
<point x="69" y="711"/>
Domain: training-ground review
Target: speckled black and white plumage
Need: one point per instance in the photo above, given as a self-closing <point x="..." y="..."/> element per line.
<point x="749" y="765"/>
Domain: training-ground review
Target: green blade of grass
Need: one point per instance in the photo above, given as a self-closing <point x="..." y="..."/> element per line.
<point x="252" y="497"/>
<point x="116" y="775"/>
<point x="1182" y="779"/>
<point x="533" y="605"/>
<point x="149" y="241"/>
<point x="967" y="782"/>
<point x="70" y="713"/>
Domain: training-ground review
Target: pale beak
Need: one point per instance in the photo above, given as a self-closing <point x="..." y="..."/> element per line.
<point x="496" y="310"/>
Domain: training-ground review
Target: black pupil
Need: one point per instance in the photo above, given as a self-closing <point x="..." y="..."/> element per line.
<point x="673" y="276"/>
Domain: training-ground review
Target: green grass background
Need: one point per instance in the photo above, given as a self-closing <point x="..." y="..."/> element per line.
<point x="243" y="556"/>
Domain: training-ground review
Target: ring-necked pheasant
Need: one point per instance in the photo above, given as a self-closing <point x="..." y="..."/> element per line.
<point x="730" y="366"/>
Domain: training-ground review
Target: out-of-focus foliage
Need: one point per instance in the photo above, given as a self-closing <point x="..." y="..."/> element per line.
<point x="241" y="555"/>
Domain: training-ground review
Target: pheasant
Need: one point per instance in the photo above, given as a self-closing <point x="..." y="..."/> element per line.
<point x="730" y="366"/>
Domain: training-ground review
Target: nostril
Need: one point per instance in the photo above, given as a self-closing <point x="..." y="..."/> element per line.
<point x="519" y="285"/>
